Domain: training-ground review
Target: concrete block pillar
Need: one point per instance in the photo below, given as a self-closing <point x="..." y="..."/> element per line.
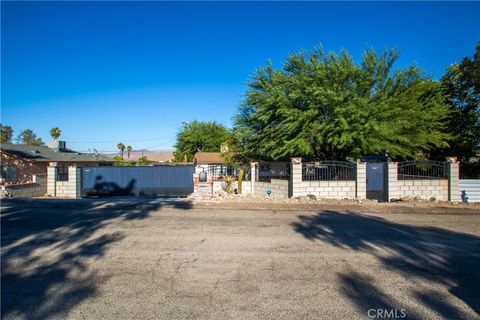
<point x="202" y="189"/>
<point x="253" y="171"/>
<point x="453" y="181"/>
<point x="392" y="181"/>
<point x="52" y="181"/>
<point x="361" y="182"/>
<point x="253" y="176"/>
<point x="75" y="181"/>
<point x="295" y="177"/>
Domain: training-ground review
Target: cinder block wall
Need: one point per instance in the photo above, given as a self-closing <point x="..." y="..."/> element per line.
<point x="64" y="189"/>
<point x="327" y="189"/>
<point x="279" y="188"/>
<point x="440" y="189"/>
<point x="296" y="177"/>
<point x="392" y="181"/>
<point x="454" y="181"/>
<point x="37" y="188"/>
<point x="425" y="189"/>
<point x="247" y="187"/>
<point x="259" y="188"/>
<point x="361" y="183"/>
<point x="320" y="189"/>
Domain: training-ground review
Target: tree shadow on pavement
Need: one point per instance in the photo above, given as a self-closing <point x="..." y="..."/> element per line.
<point x="46" y="247"/>
<point x="437" y="255"/>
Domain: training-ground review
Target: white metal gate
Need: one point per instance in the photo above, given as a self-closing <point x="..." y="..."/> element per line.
<point x="164" y="180"/>
<point x="471" y="188"/>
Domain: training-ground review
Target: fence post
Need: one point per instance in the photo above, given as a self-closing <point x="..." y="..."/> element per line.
<point x="253" y="177"/>
<point x="74" y="182"/>
<point x="52" y="180"/>
<point x="453" y="180"/>
<point x="295" y="177"/>
<point x="392" y="181"/>
<point x="361" y="181"/>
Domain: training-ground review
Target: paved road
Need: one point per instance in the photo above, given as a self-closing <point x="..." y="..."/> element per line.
<point x="161" y="260"/>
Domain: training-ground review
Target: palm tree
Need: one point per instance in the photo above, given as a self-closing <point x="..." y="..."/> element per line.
<point x="55" y="133"/>
<point x="121" y="147"/>
<point x="129" y="149"/>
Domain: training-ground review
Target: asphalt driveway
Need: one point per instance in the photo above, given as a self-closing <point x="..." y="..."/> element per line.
<point x="153" y="259"/>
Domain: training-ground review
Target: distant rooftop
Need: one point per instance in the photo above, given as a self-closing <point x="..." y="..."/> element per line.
<point x="46" y="154"/>
<point x="157" y="156"/>
<point x="208" y="158"/>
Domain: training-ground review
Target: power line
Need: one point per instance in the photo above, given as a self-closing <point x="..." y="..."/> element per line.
<point x="120" y="140"/>
<point x="161" y="144"/>
<point x="147" y="148"/>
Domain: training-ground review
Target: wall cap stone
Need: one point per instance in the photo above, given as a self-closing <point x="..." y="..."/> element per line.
<point x="296" y="160"/>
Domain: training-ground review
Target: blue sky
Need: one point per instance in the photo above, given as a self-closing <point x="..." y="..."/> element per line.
<point x="108" y="72"/>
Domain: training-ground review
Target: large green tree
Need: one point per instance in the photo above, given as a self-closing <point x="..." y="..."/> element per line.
<point x="461" y="86"/>
<point x="199" y="136"/>
<point x="27" y="136"/>
<point x="326" y="106"/>
<point x="6" y="134"/>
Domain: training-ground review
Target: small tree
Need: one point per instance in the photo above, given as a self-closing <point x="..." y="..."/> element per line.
<point x="121" y="147"/>
<point x="55" y="133"/>
<point x="199" y="136"/>
<point x="6" y="134"/>
<point x="120" y="162"/>
<point x="129" y="149"/>
<point x="142" y="161"/>
<point x="27" y="136"/>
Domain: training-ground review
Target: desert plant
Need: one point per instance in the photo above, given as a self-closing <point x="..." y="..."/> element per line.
<point x="228" y="184"/>
<point x="143" y="161"/>
<point x="240" y="179"/>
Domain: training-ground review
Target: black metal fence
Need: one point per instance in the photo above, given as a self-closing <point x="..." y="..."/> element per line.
<point x="422" y="169"/>
<point x="220" y="171"/>
<point x="266" y="171"/>
<point x="469" y="170"/>
<point x="62" y="173"/>
<point x="329" y="171"/>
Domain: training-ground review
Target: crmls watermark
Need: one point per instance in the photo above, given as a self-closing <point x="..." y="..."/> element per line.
<point x="387" y="313"/>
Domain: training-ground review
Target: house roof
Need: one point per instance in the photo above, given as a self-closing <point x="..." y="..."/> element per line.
<point x="158" y="156"/>
<point x="45" y="154"/>
<point x="208" y="158"/>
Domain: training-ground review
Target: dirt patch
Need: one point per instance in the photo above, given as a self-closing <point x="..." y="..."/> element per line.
<point x="405" y="205"/>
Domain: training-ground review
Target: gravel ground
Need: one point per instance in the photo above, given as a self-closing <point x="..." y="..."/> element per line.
<point x="157" y="259"/>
